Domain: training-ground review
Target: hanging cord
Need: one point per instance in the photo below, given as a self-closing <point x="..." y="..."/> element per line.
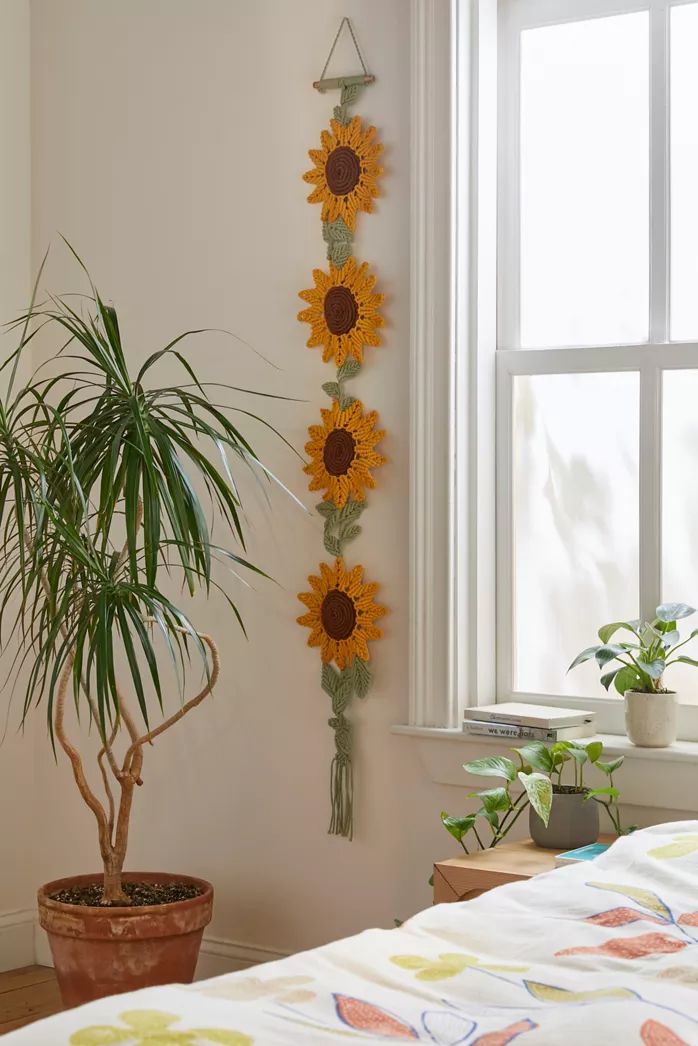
<point x="345" y="21"/>
<point x="366" y="78"/>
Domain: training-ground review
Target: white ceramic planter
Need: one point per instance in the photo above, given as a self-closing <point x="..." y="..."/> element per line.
<point x="650" y="719"/>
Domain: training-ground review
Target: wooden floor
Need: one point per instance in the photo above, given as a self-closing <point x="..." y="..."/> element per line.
<point x="27" y="995"/>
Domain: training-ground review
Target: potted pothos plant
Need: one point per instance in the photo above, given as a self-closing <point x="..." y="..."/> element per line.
<point x="107" y="479"/>
<point x="562" y="814"/>
<point x="635" y="665"/>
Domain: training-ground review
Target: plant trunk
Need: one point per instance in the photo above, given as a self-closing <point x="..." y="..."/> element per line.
<point x="113" y="892"/>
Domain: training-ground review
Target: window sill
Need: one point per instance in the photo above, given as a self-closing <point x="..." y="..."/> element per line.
<point x="667" y="787"/>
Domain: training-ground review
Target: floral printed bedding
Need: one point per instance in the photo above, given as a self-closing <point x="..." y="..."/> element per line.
<point x="605" y="952"/>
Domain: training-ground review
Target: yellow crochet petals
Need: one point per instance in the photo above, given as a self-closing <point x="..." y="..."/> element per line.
<point x="346" y="171"/>
<point x="341" y="613"/>
<point x="343" y="311"/>
<point x="342" y="452"/>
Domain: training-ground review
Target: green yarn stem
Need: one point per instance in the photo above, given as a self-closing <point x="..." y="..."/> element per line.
<point x="342" y="780"/>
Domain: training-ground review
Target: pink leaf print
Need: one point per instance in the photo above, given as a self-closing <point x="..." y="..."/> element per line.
<point x="621" y="917"/>
<point x="364" y="1016"/>
<point x="632" y="947"/>
<point x="653" y="1033"/>
<point x="501" y="1038"/>
<point x="689" y="919"/>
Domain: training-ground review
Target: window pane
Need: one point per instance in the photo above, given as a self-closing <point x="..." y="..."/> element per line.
<point x="575" y="503"/>
<point x="680" y="513"/>
<point x="684" y="173"/>
<point x="585" y="182"/>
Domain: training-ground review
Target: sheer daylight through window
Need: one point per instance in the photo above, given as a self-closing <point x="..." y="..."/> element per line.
<point x="597" y="334"/>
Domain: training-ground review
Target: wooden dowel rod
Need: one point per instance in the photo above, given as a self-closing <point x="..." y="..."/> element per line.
<point x="337" y="82"/>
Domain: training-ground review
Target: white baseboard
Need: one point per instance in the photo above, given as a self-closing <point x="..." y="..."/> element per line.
<point x="218" y="955"/>
<point x="17" y="939"/>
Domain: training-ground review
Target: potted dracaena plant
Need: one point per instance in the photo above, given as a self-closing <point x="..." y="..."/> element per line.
<point x="106" y="478"/>
<point x="562" y="815"/>
<point x="636" y="664"/>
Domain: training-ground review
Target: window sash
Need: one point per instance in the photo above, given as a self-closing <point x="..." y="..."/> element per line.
<point x="649" y="359"/>
<point x="515" y="16"/>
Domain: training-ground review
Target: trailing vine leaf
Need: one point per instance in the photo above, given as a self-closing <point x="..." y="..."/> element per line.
<point x="345" y="401"/>
<point x="540" y="793"/>
<point x="362" y="677"/>
<point x="332" y="389"/>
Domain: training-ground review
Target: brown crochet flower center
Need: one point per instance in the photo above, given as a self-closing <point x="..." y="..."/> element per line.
<point x="338" y="614"/>
<point x="338" y="453"/>
<point x="342" y="170"/>
<point x="341" y="310"/>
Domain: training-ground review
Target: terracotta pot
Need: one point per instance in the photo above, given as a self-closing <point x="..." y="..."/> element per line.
<point x="574" y="821"/>
<point x="106" y="951"/>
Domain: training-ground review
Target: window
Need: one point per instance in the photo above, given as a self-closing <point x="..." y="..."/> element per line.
<point x="597" y="330"/>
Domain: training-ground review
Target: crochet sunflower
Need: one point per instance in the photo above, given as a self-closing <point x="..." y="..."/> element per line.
<point x="343" y="451"/>
<point x="346" y="171"/>
<point x="343" y="311"/>
<point x="341" y="613"/>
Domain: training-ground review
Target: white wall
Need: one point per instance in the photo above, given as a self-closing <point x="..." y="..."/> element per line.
<point x="168" y="138"/>
<point x="16" y="786"/>
<point x="169" y="141"/>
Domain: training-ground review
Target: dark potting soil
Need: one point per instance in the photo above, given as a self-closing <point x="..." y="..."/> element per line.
<point x="90" y="894"/>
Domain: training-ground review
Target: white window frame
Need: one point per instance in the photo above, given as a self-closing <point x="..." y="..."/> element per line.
<point x="455" y="503"/>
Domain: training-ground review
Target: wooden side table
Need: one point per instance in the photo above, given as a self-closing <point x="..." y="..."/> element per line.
<point x="462" y="878"/>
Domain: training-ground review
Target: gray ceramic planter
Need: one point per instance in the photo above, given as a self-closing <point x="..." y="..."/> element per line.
<point x="573" y="822"/>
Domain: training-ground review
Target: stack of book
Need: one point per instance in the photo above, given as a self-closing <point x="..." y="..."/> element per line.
<point x="519" y="722"/>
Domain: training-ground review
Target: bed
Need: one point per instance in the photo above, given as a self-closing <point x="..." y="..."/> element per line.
<point x="605" y="952"/>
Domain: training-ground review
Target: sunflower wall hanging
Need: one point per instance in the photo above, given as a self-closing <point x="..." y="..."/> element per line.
<point x="344" y="314"/>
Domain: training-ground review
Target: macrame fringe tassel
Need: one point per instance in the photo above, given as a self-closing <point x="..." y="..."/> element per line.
<point x="342" y="780"/>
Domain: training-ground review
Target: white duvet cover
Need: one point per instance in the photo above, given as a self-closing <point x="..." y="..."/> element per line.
<point x="601" y="953"/>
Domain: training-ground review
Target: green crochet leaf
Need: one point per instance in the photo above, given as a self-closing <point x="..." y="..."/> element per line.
<point x="341" y="115"/>
<point x="350" y="92"/>
<point x="351" y="511"/>
<point x="332" y="389"/>
<point x="349" y="533"/>
<point x="330" y="680"/>
<point x="362" y="677"/>
<point x="337" y="231"/>
<point x="325" y="508"/>
<point x="332" y="544"/>
<point x="345" y="401"/>
<point x="351" y="367"/>
<point x="339" y="254"/>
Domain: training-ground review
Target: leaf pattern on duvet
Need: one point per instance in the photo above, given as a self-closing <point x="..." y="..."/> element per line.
<point x="501" y="1038"/>
<point x="685" y="974"/>
<point x="449" y="964"/>
<point x="551" y="993"/>
<point x="446" y="1028"/>
<point x="689" y="919"/>
<point x="630" y="947"/>
<point x="682" y="846"/>
<point x="653" y="1033"/>
<point x="645" y="898"/>
<point x="365" y="1016"/>
<point x="621" y="917"/>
